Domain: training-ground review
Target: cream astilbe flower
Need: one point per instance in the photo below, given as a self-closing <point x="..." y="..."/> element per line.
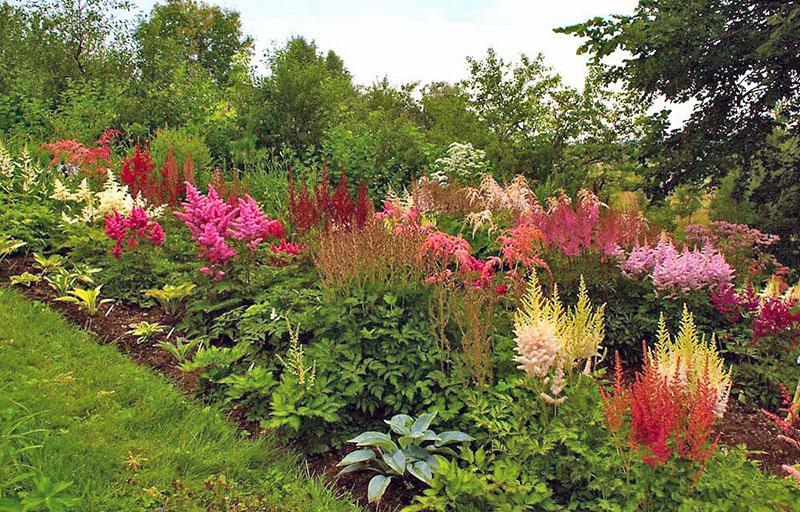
<point x="537" y="347"/>
<point x="113" y="198"/>
<point x="29" y="171"/>
<point x="61" y="192"/>
<point x="550" y="336"/>
<point x="688" y="360"/>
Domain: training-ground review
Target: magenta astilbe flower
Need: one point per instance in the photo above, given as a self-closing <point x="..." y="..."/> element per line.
<point x="209" y="220"/>
<point x="130" y="229"/>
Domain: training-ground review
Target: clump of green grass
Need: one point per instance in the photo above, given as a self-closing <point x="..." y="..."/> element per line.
<point x="128" y="440"/>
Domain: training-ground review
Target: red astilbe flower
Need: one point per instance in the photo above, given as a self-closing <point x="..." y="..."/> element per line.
<point x="789" y="424"/>
<point x="137" y="174"/>
<point x="173" y="178"/>
<point x="129" y="230"/>
<point x="94" y="158"/>
<point x="333" y="211"/>
<point x="665" y="416"/>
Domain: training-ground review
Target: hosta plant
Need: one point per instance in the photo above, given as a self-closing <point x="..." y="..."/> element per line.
<point x="87" y="299"/>
<point x="180" y="348"/>
<point x="414" y="453"/>
<point x="48" y="263"/>
<point x="145" y="331"/>
<point x="171" y="297"/>
<point x="9" y="246"/>
<point x="61" y="281"/>
<point x="25" y="279"/>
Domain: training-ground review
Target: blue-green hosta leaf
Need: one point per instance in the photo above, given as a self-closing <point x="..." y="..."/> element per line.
<point x="357" y="456"/>
<point x="453" y="437"/>
<point x="416" y="452"/>
<point x="396" y="460"/>
<point x="422" y="423"/>
<point x="377" y="486"/>
<point x="400" y="424"/>
<point x="422" y="471"/>
<point x="358" y="466"/>
<point x="379" y="439"/>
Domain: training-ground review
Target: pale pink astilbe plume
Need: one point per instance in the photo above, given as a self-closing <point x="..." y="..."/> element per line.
<point x="679" y="271"/>
<point x="537" y="347"/>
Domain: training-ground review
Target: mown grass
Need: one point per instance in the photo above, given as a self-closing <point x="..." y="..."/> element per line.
<point x="123" y="435"/>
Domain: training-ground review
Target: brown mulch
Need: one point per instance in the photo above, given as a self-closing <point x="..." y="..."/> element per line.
<point x="742" y="424"/>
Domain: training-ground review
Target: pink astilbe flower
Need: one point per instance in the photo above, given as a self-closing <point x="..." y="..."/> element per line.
<point x="519" y="246"/>
<point x="72" y="152"/>
<point x="252" y="226"/>
<point x="129" y="230"/>
<point x="209" y="220"/>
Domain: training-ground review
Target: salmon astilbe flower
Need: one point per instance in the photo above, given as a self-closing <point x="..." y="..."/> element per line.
<point x="549" y="336"/>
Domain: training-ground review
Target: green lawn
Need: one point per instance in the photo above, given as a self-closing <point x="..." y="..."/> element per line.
<point x="122" y="434"/>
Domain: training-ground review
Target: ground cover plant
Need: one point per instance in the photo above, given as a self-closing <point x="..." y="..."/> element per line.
<point x="499" y="294"/>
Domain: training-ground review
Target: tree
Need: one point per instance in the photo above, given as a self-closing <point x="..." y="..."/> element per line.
<point x="304" y="94"/>
<point x="738" y="60"/>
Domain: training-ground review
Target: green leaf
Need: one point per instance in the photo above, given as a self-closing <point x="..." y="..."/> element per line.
<point x="358" y="466"/>
<point x="422" y="471"/>
<point x="379" y="439"/>
<point x="400" y="424"/>
<point x="396" y="460"/>
<point x="453" y="437"/>
<point x="377" y="486"/>
<point x="357" y="456"/>
<point x="422" y="423"/>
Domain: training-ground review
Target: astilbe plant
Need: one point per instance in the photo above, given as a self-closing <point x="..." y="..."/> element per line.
<point x="128" y="231"/>
<point x="775" y="311"/>
<point x="674" y="401"/>
<point x="216" y="225"/>
<point x="96" y="158"/>
<point x="336" y="210"/>
<point x="675" y="271"/>
<point x="173" y="178"/>
<point x="745" y="248"/>
<point x="138" y="175"/>
<point x="549" y="336"/>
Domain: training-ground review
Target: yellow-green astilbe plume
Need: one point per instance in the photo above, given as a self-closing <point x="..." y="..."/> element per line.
<point x="551" y="336"/>
<point x="690" y="359"/>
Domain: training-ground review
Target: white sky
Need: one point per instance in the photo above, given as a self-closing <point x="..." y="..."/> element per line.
<point x="415" y="40"/>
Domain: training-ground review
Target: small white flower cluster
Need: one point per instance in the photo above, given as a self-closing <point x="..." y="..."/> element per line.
<point x="537" y="347"/>
<point x="461" y="161"/>
<point x="95" y="206"/>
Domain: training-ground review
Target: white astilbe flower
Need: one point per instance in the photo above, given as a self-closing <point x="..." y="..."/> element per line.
<point x="6" y="166"/>
<point x="113" y="198"/>
<point x="61" y="192"/>
<point x="537" y="347"/>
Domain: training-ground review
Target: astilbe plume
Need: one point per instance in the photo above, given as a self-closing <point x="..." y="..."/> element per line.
<point x="665" y="418"/>
<point x="690" y="362"/>
<point x="128" y="230"/>
<point x="789" y="422"/>
<point x="774" y="311"/>
<point x="173" y="178"/>
<point x="549" y="336"/>
<point x="209" y="220"/>
<point x="96" y="158"/>
<point x="445" y="256"/>
<point x="678" y="271"/>
<point x="743" y="247"/>
<point x="520" y="246"/>
<point x="137" y="173"/>
<point x="215" y="223"/>
<point x="335" y="210"/>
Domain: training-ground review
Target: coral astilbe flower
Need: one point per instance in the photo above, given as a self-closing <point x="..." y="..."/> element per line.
<point x="72" y="152"/>
<point x="137" y="174"/>
<point x="653" y="414"/>
<point x="789" y="424"/>
<point x="519" y="246"/>
<point x="209" y="220"/>
<point x="173" y="178"/>
<point x="129" y="230"/>
<point x="286" y="250"/>
<point x="616" y="404"/>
